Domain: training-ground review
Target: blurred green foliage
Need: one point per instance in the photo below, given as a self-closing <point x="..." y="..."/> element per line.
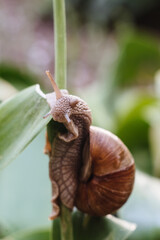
<point x="117" y="229"/>
<point x="30" y="235"/>
<point x="138" y="60"/>
<point x="133" y="128"/>
<point x="96" y="228"/>
<point x="18" y="77"/>
<point x="143" y="207"/>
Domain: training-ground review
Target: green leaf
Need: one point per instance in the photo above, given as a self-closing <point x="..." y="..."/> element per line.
<point x="21" y="119"/>
<point x="96" y="228"/>
<point x="25" y="190"/>
<point x="29" y="235"/>
<point x="143" y="207"/>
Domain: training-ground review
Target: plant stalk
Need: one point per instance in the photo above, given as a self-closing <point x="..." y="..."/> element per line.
<point x="66" y="223"/>
<point x="60" y="42"/>
<point x="60" y="77"/>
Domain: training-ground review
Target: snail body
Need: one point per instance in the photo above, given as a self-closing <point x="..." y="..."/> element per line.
<point x="89" y="167"/>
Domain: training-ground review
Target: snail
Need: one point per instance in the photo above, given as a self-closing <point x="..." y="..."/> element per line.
<point x="89" y="168"/>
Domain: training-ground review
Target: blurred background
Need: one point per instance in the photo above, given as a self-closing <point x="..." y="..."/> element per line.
<point x="114" y="65"/>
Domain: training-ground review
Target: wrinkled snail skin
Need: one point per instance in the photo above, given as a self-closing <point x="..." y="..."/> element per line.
<point x="89" y="167"/>
<point x="65" y="162"/>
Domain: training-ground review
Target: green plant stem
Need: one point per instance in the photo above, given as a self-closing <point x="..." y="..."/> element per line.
<point x="60" y="42"/>
<point x="60" y="77"/>
<point x="66" y="223"/>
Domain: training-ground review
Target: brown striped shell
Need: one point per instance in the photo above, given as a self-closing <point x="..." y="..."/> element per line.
<point x="112" y="177"/>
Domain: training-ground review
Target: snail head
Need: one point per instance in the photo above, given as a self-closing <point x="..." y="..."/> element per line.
<point x="60" y="102"/>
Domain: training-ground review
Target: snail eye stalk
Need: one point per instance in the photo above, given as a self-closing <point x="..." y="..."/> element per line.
<point x="55" y="87"/>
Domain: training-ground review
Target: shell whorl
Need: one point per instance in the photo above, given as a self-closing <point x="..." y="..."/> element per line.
<point x="112" y="178"/>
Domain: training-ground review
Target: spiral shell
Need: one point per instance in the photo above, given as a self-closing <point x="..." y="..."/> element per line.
<point x="112" y="178"/>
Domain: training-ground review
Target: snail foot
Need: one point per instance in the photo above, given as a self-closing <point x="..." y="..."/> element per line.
<point x="55" y="212"/>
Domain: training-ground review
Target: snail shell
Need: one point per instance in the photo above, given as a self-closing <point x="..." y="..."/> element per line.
<point x="112" y="177"/>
